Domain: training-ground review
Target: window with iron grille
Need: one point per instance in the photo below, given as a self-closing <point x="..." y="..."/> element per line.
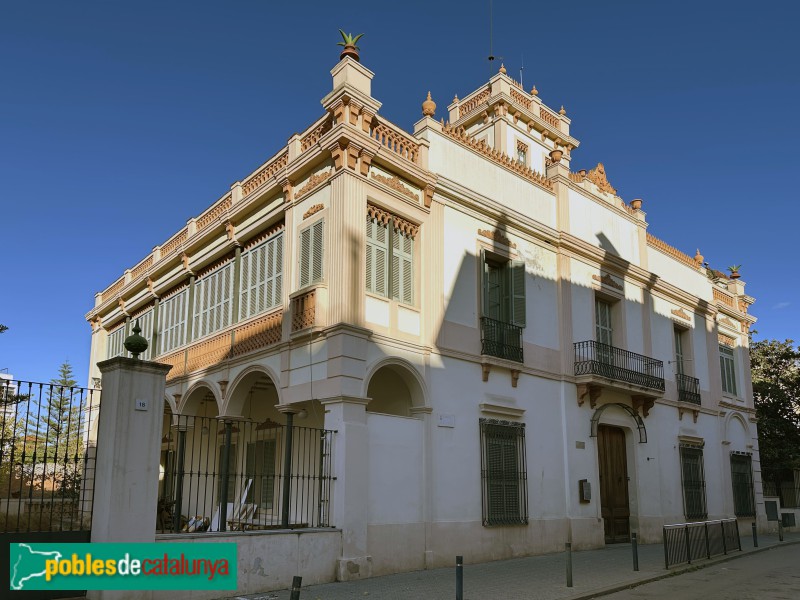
<point x="503" y="473"/>
<point x="727" y="367"/>
<point x="742" y="481"/>
<point x="390" y="261"/>
<point x="693" y="481"/>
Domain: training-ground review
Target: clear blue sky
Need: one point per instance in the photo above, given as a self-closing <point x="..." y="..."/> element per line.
<point x="120" y="120"/>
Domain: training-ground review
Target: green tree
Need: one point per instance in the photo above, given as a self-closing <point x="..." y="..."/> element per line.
<point x="58" y="434"/>
<point x="776" y="392"/>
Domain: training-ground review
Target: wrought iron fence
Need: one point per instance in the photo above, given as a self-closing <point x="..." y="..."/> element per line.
<point x="223" y="475"/>
<point x="787" y="489"/>
<point x="596" y="358"/>
<point x="685" y="542"/>
<point x="500" y="339"/>
<point x="47" y="456"/>
<point x="688" y="388"/>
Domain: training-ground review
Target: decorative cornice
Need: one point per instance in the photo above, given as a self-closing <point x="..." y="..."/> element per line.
<point x="497" y="236"/>
<point x="671" y="251"/>
<point x="598" y="177"/>
<point x="313" y="210"/>
<point x="395" y="184"/>
<point x="606" y="279"/>
<point x="679" y="312"/>
<point x="314" y="181"/>
<point x="460" y="135"/>
<point x="385" y="218"/>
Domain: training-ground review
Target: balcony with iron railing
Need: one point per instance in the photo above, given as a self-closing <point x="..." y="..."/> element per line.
<point x="501" y="340"/>
<point x="688" y="388"/>
<point x="603" y="364"/>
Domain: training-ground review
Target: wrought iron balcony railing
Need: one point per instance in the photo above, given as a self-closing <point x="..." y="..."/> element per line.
<point x="688" y="388"/>
<point x="594" y="358"/>
<point x="500" y="339"/>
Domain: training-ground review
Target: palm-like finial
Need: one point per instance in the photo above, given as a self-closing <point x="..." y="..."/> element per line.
<point x="349" y="40"/>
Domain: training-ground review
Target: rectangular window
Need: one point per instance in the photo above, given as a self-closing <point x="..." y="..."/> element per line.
<point x="311" y="253"/>
<point x="114" y="346"/>
<point x="502" y="307"/>
<point x="742" y="481"/>
<point x="172" y="322"/>
<point x="679" y="357"/>
<point x="727" y="368"/>
<point x="693" y="481"/>
<point x="260" y="467"/>
<point x="261" y="286"/>
<point x="503" y="289"/>
<point x="390" y="261"/>
<point x="212" y="302"/>
<point x="603" y="328"/>
<point x="503" y="473"/>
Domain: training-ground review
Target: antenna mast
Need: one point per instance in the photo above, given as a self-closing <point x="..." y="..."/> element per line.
<point x="521" y="68"/>
<point x="491" y="34"/>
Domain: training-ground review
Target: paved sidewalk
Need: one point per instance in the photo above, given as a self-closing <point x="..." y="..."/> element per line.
<point x="595" y="573"/>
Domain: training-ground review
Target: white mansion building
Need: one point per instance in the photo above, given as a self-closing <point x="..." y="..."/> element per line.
<point x="508" y="359"/>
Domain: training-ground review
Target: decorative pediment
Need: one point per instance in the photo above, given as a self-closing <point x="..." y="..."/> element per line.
<point x="680" y="313"/>
<point x="497" y="236"/>
<point x="606" y="279"/>
<point x="598" y="177"/>
<point x="396" y="184"/>
<point x="727" y="322"/>
<point x="312" y="182"/>
<point x="313" y="210"/>
<point x="726" y="340"/>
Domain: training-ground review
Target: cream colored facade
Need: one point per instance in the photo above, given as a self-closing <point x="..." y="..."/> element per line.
<point x="500" y="269"/>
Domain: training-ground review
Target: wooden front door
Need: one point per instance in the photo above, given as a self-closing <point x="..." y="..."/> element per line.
<point x="613" y="483"/>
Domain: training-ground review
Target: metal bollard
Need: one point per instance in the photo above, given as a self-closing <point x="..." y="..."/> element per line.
<point x="296" y="582"/>
<point x="459" y="578"/>
<point x="755" y="536"/>
<point x="780" y="531"/>
<point x="568" y="547"/>
<point x="635" y="549"/>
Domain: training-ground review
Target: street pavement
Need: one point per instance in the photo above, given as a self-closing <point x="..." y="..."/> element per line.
<point x="773" y="575"/>
<point x="595" y="573"/>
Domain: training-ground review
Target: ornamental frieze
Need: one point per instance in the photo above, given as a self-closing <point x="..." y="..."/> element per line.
<point x="598" y="177"/>
<point x="313" y="210"/>
<point x="313" y="182"/>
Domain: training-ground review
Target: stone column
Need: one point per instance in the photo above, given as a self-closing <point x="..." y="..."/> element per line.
<point x="128" y="450"/>
<point x="348" y="417"/>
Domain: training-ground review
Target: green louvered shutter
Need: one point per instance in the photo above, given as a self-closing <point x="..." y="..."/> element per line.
<point x="172" y="322"/>
<point x="377" y="257"/>
<point x="146" y="324"/>
<point x="402" y="267"/>
<point x="517" y="280"/>
<point x="317" y="246"/>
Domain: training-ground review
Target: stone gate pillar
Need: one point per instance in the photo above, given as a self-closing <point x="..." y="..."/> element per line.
<point x="128" y="450"/>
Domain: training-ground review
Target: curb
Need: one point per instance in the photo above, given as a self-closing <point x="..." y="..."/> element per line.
<point x="613" y="589"/>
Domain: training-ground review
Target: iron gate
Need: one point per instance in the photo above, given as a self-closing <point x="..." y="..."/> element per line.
<point x="47" y="463"/>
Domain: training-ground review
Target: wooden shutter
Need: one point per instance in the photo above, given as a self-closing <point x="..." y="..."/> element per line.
<point x="146" y="324"/>
<point x="172" y="322"/>
<point x="212" y="302"/>
<point x="114" y="347"/>
<point x="261" y="277"/>
<point x="317" y="246"/>
<point x="402" y="267"/>
<point x="603" y="322"/>
<point x="305" y="257"/>
<point x="377" y="257"/>
<point x="517" y="281"/>
<point x="694" y="484"/>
